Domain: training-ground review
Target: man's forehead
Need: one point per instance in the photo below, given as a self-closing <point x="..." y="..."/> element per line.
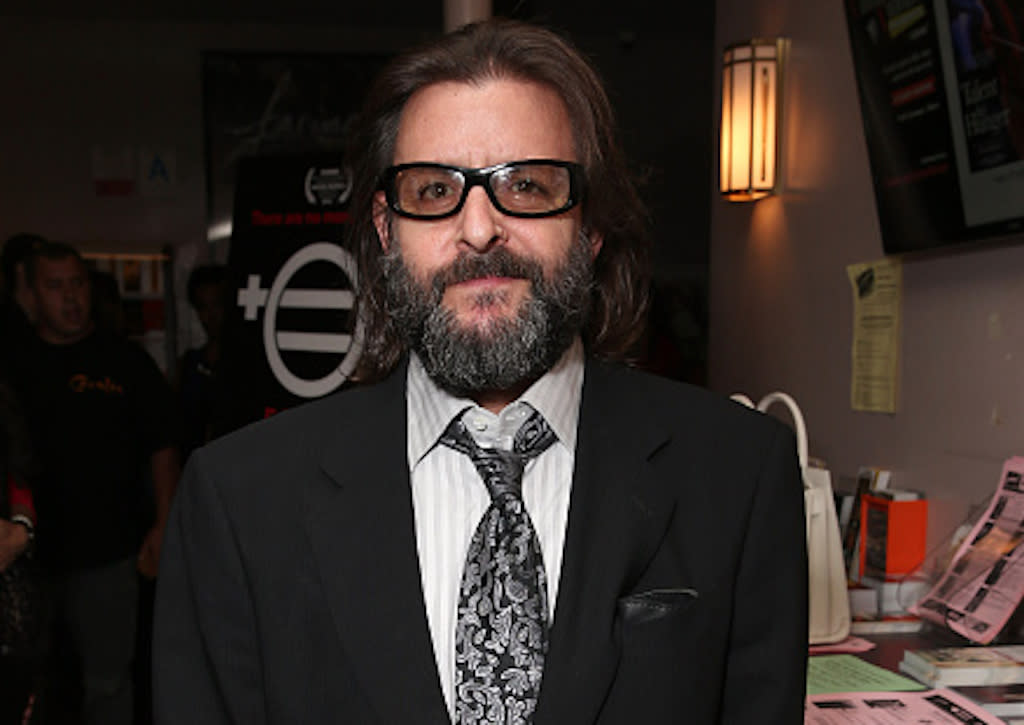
<point x="480" y="124"/>
<point x="69" y="266"/>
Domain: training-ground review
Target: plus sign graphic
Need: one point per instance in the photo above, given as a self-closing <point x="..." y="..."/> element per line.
<point x="253" y="296"/>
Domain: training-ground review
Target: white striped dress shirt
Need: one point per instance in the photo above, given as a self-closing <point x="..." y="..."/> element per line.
<point x="449" y="498"/>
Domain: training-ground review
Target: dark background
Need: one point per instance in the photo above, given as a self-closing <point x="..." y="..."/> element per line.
<point x="657" y="60"/>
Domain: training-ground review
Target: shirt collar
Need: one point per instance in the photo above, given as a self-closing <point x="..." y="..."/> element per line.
<point x="555" y="395"/>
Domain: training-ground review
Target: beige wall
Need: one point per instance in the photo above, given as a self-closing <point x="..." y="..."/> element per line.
<point x="781" y="305"/>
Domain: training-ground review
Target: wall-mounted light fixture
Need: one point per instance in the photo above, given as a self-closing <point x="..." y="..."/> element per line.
<point x="752" y="74"/>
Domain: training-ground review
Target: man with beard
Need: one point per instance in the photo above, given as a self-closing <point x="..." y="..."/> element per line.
<point x="500" y="525"/>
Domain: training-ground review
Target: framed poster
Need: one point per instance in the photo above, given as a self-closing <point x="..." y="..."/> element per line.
<point x="941" y="86"/>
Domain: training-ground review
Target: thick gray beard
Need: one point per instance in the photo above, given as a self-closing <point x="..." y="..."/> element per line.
<point x="508" y="353"/>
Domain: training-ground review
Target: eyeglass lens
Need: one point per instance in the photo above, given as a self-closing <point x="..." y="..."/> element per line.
<point x="517" y="189"/>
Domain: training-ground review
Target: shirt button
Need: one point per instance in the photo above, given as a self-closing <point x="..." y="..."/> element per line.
<point x="480" y="424"/>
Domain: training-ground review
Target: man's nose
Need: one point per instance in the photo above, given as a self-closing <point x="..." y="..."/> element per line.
<point x="481" y="221"/>
<point x="72" y="295"/>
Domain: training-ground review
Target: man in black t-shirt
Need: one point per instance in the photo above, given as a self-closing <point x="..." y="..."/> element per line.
<point x="102" y="417"/>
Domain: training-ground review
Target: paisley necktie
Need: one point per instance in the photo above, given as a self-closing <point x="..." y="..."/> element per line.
<point x="502" y="629"/>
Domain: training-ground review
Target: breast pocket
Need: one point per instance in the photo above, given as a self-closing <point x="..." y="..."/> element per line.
<point x="670" y="659"/>
<point x="655" y="604"/>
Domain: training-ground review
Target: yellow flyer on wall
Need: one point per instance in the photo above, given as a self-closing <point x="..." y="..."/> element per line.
<point x="875" y="349"/>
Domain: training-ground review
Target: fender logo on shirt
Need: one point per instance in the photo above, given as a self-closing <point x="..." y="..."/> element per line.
<point x="81" y="383"/>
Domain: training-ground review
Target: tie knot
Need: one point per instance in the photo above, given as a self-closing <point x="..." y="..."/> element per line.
<point x="502" y="471"/>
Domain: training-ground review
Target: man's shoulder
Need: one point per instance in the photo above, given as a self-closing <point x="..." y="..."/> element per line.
<point x="307" y="427"/>
<point x="107" y="346"/>
<point x="631" y="392"/>
<point x="266" y="466"/>
<point x="640" y="387"/>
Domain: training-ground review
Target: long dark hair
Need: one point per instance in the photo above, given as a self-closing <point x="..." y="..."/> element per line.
<point x="493" y="49"/>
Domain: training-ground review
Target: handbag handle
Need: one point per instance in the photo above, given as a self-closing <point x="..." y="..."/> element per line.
<point x="798" y="421"/>
<point x="741" y="398"/>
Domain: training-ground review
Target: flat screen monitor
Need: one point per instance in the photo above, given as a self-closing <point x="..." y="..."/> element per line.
<point x="941" y="86"/>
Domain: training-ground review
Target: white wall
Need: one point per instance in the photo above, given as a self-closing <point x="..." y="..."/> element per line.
<point x="781" y="305"/>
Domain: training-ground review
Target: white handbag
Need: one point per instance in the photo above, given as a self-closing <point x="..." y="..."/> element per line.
<point x="829" y="605"/>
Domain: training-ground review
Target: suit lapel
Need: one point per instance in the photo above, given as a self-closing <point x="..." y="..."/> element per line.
<point x="619" y="512"/>
<point x="361" y="526"/>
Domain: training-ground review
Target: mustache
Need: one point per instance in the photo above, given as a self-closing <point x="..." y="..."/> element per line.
<point x="499" y="262"/>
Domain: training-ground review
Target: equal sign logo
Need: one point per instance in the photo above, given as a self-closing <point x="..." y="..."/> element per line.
<point x="254" y="296"/>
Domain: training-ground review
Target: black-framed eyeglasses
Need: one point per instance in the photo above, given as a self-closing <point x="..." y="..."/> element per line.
<point x="529" y="189"/>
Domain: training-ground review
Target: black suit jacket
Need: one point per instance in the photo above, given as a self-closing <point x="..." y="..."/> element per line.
<point x="289" y="588"/>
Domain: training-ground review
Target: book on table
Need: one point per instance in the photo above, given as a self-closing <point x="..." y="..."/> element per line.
<point x="1001" y="700"/>
<point x="953" y="666"/>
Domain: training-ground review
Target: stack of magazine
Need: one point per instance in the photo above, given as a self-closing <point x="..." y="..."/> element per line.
<point x="958" y="666"/>
<point x="992" y="677"/>
<point x="1006" y="701"/>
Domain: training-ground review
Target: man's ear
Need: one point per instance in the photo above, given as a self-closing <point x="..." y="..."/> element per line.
<point x="596" y="240"/>
<point x="28" y="300"/>
<point x="380" y="219"/>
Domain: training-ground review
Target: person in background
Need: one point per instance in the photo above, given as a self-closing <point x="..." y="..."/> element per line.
<point x="21" y="667"/>
<point x="207" y="293"/>
<point x="102" y="418"/>
<point x="22" y="589"/>
<point x="108" y="307"/>
<point x="15" y="296"/>
<point x="501" y="523"/>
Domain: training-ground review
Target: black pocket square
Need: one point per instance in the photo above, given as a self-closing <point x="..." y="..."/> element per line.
<point x="655" y="604"/>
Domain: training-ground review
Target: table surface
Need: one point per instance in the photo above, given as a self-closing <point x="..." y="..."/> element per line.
<point x="889" y="651"/>
<point x="890" y="648"/>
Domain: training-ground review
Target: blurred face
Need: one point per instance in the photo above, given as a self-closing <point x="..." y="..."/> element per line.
<point x="495" y="289"/>
<point x="61" y="300"/>
<point x="209" y="306"/>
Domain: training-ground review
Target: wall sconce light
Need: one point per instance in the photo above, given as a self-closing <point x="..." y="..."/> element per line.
<point x="752" y="74"/>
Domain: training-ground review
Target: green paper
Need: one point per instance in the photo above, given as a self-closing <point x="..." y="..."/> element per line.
<point x="849" y="673"/>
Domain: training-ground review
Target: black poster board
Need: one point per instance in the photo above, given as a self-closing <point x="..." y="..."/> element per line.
<point x="291" y="332"/>
<point x="276" y="126"/>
